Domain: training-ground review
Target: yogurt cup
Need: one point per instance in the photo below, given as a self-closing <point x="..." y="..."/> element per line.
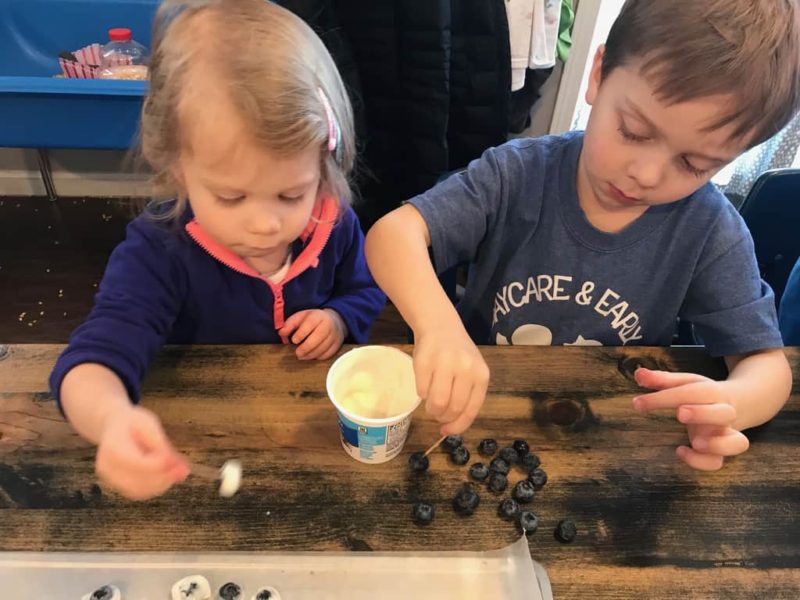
<point x="374" y="391"/>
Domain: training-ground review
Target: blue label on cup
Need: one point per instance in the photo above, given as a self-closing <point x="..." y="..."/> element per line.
<point x="366" y="439"/>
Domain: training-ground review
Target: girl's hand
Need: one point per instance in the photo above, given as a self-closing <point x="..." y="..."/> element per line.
<point x="318" y="333"/>
<point x="134" y="456"/>
<point x="704" y="406"/>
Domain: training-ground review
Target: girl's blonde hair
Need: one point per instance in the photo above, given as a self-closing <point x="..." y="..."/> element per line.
<point x="273" y="67"/>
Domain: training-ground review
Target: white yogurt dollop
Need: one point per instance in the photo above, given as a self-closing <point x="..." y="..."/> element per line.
<point x="230" y="478"/>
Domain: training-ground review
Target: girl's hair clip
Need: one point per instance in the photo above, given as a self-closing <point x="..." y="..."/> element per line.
<point x="334" y="131"/>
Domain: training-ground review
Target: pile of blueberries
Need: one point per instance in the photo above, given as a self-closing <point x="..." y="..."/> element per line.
<point x="495" y="476"/>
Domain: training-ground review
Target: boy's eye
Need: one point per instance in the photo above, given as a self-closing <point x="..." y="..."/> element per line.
<point x="629" y="135"/>
<point x="692" y="169"/>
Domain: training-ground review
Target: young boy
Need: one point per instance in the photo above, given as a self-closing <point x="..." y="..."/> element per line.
<point x="606" y="237"/>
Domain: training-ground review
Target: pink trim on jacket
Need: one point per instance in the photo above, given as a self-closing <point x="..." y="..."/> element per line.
<point x="319" y="229"/>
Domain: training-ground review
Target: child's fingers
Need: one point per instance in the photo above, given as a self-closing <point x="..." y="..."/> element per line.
<point x="320" y="348"/>
<point x="326" y="349"/>
<point x="704" y="392"/>
<point x="709" y="414"/>
<point x="154" y="445"/>
<point x="423" y="374"/>
<point x="314" y="339"/>
<point x="660" y="380"/>
<point x="439" y="394"/>
<point x="729" y="443"/>
<point x="471" y="410"/>
<point x="153" y="442"/>
<point x="292" y="323"/>
<point x="459" y="396"/>
<point x="310" y="322"/>
<point x="332" y="349"/>
<point x="699" y="460"/>
<point x="138" y="488"/>
<point x="127" y="456"/>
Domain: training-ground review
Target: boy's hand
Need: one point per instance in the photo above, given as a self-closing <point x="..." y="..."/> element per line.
<point x="452" y="377"/>
<point x="134" y="456"/>
<point x="704" y="406"/>
<point x="318" y="333"/>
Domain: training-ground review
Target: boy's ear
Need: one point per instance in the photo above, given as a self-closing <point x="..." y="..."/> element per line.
<point x="595" y="76"/>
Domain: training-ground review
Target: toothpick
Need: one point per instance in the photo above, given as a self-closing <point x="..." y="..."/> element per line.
<point x="205" y="472"/>
<point x="436" y="445"/>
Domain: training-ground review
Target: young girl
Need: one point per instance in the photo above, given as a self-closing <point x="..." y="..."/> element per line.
<point x="248" y="126"/>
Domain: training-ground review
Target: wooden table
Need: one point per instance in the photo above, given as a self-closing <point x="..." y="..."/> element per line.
<point x="649" y="527"/>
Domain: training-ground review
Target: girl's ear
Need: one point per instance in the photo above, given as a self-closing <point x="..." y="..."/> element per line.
<point x="176" y="172"/>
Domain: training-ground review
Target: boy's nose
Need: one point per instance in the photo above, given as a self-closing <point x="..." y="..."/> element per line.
<point x="647" y="171"/>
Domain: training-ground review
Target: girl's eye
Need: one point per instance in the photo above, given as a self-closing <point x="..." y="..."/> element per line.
<point x="229" y="201"/>
<point x="291" y="199"/>
<point x="692" y="169"/>
<point x="628" y="135"/>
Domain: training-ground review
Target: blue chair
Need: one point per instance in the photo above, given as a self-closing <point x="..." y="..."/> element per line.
<point x="772" y="213"/>
<point x="789" y="313"/>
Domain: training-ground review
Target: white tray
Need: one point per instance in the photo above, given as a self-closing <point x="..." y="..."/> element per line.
<point x="509" y="573"/>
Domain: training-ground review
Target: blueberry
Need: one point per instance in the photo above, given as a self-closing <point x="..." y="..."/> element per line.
<point x="230" y="591"/>
<point x="418" y="462"/>
<point x="423" y="513"/>
<point x="508" y="509"/>
<point x="451" y="442"/>
<point x="466" y="500"/>
<point x="538" y="477"/>
<point x="524" y="492"/>
<point x="460" y="455"/>
<point x="479" y="472"/>
<point x="103" y="593"/>
<point x="498" y="465"/>
<point x="528" y="521"/>
<point x="566" y="531"/>
<point x="509" y="455"/>
<point x="265" y="594"/>
<point x="530" y="461"/>
<point x="522" y="448"/>
<point x="498" y="482"/>
<point x="487" y="447"/>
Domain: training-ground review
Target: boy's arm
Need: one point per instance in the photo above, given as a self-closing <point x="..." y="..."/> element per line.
<point x="715" y="412"/>
<point x="397" y="253"/>
<point x="453" y="219"/>
<point x="758" y="386"/>
<point x="734" y="314"/>
<point x="450" y="372"/>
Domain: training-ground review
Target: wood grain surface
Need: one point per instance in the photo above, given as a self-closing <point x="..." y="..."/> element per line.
<point x="648" y="526"/>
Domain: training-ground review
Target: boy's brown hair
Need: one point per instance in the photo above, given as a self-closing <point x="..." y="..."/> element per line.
<point x="746" y="49"/>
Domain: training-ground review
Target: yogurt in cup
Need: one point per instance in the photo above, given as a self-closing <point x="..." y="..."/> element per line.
<point x="374" y="391"/>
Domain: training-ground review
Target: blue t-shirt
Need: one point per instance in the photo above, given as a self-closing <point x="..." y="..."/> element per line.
<point x="541" y="273"/>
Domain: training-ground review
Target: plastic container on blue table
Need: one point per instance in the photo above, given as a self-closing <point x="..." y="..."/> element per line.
<point x="38" y="110"/>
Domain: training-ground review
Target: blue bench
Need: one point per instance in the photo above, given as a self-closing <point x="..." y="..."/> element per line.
<point x="40" y="111"/>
